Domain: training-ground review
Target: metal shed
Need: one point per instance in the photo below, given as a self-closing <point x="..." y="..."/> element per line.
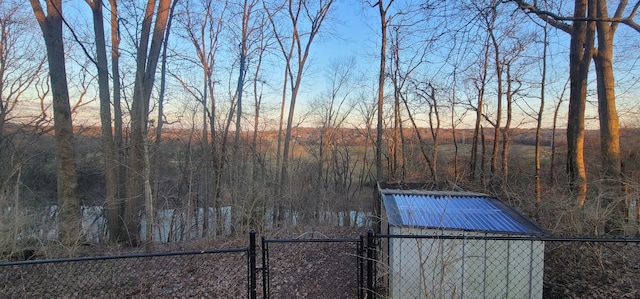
<point x="457" y="244"/>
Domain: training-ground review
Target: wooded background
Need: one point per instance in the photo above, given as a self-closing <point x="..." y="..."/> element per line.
<point x="195" y="105"/>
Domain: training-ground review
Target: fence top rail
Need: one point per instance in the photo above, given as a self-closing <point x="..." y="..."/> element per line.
<point x="513" y="237"/>
<point x="126" y="256"/>
<point x="329" y="240"/>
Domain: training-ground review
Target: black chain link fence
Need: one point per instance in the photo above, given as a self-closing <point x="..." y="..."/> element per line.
<point x="490" y="266"/>
<point x="382" y="266"/>
<point x="459" y="267"/>
<point x="588" y="268"/>
<point x="200" y="274"/>
<point x="312" y="268"/>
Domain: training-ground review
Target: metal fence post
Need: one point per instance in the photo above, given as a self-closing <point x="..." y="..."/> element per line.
<point x="370" y="264"/>
<point x="265" y="268"/>
<point x="252" y="264"/>
<point x="361" y="267"/>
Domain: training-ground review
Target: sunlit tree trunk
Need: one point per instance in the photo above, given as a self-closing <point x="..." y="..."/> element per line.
<point x="609" y="123"/>
<point x="608" y="115"/>
<point x="581" y="50"/>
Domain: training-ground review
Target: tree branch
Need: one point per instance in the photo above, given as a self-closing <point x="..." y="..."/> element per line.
<point x="558" y="21"/>
<point x="549" y="17"/>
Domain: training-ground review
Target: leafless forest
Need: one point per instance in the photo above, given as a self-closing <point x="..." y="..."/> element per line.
<point x="128" y="122"/>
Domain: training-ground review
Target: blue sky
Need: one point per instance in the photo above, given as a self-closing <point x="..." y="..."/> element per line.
<point x="353" y="31"/>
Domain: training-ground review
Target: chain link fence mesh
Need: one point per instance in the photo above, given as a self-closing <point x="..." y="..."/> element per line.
<point x="206" y="274"/>
<point x="505" y="267"/>
<point x="588" y="269"/>
<point x="401" y="267"/>
<point x="313" y="269"/>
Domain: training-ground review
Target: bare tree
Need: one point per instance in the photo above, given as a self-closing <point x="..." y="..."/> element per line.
<point x="543" y="85"/>
<point x="111" y="162"/>
<point x="313" y="14"/>
<point x="490" y="16"/>
<point x="20" y="66"/>
<point x="138" y="197"/>
<point x="68" y="203"/>
<point x="333" y="159"/>
<point x="263" y="42"/>
<point x="115" y="210"/>
<point x="247" y="29"/>
<point x="203" y="25"/>
<point x="480" y="85"/>
<point x="590" y="17"/>
<point x="554" y="129"/>
<point x="407" y="55"/>
<point x="428" y="94"/>
<point x="21" y="69"/>
<point x="367" y="111"/>
<point x="383" y="9"/>
<point x="331" y="111"/>
<point x="607" y="111"/>
<point x="581" y="51"/>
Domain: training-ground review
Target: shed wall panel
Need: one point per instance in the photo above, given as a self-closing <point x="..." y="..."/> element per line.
<point x="446" y="268"/>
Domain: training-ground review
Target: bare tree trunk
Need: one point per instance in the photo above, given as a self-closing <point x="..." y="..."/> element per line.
<point x="315" y="16"/>
<point x="69" y="213"/>
<point x="425" y="155"/>
<point x="609" y="123"/>
<point x="288" y="55"/>
<point x="554" y="127"/>
<point x="506" y="138"/>
<point x="146" y="63"/>
<point x="247" y="10"/>
<point x="608" y="116"/>
<point x="395" y="145"/>
<point x="393" y="148"/>
<point x="382" y="9"/>
<point x="453" y="130"/>
<point x="108" y="148"/>
<point x="117" y="232"/>
<point x="156" y="154"/>
<point x="499" y="70"/>
<point x="257" y="97"/>
<point x="581" y="51"/>
<point x="435" y="131"/>
<point x="479" y="114"/>
<point x="543" y="87"/>
<point x="483" y="158"/>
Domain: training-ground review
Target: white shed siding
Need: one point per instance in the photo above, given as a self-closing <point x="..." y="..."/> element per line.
<point x="450" y="268"/>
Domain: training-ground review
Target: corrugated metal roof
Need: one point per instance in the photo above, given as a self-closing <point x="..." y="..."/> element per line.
<point x="465" y="211"/>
